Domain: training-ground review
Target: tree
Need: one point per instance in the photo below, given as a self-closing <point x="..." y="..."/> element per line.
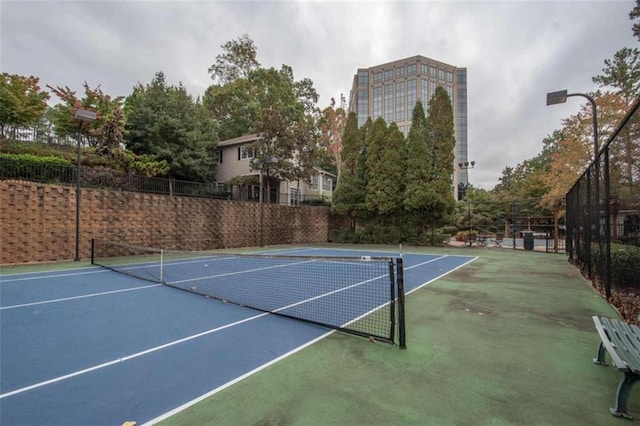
<point x="165" y="123"/>
<point x="237" y="61"/>
<point x="635" y="14"/>
<point x="331" y="126"/>
<point x="105" y="132"/>
<point x="622" y="73"/>
<point x="419" y="169"/>
<point x="22" y="103"/>
<point x="348" y="197"/>
<point x="441" y="139"/>
<point x="386" y="167"/>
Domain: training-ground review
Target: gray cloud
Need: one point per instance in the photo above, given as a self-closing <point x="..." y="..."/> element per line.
<point x="514" y="51"/>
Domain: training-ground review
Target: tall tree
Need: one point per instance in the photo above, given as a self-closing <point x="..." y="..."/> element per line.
<point x="419" y="168"/>
<point x="348" y="197"/>
<point x="386" y="167"/>
<point x="237" y="61"/>
<point x="440" y="134"/>
<point x="164" y="122"/>
<point x="332" y="125"/>
<point x="622" y="73"/>
<point x="22" y="102"/>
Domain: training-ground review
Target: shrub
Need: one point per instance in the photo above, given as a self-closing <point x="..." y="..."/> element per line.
<point x="36" y="168"/>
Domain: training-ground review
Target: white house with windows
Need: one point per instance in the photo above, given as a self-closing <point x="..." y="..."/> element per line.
<point x="234" y="171"/>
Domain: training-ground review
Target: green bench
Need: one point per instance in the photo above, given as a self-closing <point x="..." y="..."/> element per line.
<point x="622" y="342"/>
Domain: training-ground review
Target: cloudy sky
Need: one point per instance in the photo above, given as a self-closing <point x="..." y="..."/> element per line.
<point x="514" y="51"/>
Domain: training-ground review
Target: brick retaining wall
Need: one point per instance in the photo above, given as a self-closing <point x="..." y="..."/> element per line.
<point x="37" y="222"/>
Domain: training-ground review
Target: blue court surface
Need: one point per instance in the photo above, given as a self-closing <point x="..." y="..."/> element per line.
<point x="92" y="346"/>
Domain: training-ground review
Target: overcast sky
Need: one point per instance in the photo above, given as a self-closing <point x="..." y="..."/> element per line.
<point x="514" y="51"/>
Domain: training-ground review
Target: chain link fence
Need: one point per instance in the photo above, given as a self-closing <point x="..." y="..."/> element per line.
<point x="603" y="218"/>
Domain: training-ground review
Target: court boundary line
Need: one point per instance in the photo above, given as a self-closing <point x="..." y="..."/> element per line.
<point x="246" y="375"/>
<point x="84" y="296"/>
<point x="176" y="342"/>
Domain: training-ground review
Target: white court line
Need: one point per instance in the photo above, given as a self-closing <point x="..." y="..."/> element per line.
<point x="78" y="297"/>
<point x="275" y="360"/>
<point x="166" y="345"/>
<point x="40" y="277"/>
<point x="227" y="274"/>
<point x="127" y="358"/>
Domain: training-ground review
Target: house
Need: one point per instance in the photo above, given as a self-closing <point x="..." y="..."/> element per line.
<point x="234" y="170"/>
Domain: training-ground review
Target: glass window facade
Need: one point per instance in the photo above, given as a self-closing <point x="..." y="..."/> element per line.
<point x="363" y="78"/>
<point x="433" y="71"/>
<point x="440" y="74"/>
<point x="388" y="75"/>
<point x="412" y="69"/>
<point x="388" y="103"/>
<point x="449" y="77"/>
<point x="425" y="69"/>
<point x="377" y="102"/>
<point x="400" y="101"/>
<point x="377" y="77"/>
<point x="412" y="95"/>
<point x="363" y="106"/>
<point x="399" y="72"/>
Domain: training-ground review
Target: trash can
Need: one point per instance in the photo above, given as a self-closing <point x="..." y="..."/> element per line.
<point x="528" y="240"/>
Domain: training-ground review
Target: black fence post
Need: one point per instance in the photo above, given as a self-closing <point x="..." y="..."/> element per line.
<point x="401" y="313"/>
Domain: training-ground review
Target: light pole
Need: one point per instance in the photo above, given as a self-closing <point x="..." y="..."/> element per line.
<point x="83" y="116"/>
<point x="560" y="97"/>
<point x="464" y="165"/>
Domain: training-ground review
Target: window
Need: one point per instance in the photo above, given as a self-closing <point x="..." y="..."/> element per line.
<point x="388" y="75"/>
<point x="327" y="183"/>
<point x="400" y="99"/>
<point x="377" y="77"/>
<point x="377" y="102"/>
<point x="412" y="69"/>
<point x="450" y="93"/>
<point x="399" y="72"/>
<point x="412" y="93"/>
<point x="220" y="155"/>
<point x="425" y="69"/>
<point x="432" y="71"/>
<point x="424" y="94"/>
<point x="363" y="78"/>
<point x="294" y="197"/>
<point x="363" y="106"/>
<point x="314" y="182"/>
<point x="245" y="153"/>
<point x="449" y="77"/>
<point x="440" y="74"/>
<point x="388" y="103"/>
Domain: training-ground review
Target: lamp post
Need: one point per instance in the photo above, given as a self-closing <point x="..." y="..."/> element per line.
<point x="560" y="97"/>
<point x="83" y="116"/>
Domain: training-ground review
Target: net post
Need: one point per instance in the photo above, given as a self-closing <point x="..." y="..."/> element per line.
<point x="392" y="305"/>
<point x="401" y="316"/>
<point x="93" y="249"/>
<point x="161" y="265"/>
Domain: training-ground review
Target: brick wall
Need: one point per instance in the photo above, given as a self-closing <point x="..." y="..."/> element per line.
<point x="37" y="222"/>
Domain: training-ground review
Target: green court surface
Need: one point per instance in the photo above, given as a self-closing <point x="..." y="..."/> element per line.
<point x="505" y="340"/>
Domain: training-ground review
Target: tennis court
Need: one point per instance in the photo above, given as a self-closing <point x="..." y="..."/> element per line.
<point x="93" y="346"/>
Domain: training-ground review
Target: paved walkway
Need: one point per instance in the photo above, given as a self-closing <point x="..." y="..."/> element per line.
<point x="506" y="340"/>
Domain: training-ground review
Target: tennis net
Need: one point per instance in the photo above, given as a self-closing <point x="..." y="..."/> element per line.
<point x="358" y="295"/>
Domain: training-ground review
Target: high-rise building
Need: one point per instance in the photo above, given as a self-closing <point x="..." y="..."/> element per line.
<point x="391" y="91"/>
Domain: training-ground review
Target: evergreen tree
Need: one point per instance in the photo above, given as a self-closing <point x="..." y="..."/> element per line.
<point x="441" y="139"/>
<point x="349" y="193"/>
<point x="164" y="123"/>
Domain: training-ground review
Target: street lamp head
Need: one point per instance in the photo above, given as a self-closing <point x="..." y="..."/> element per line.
<point x="84" y="115"/>
<point x="559" y="97"/>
